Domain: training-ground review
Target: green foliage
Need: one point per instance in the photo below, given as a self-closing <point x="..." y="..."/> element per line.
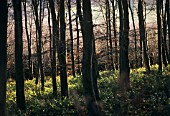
<point x="149" y="95"/>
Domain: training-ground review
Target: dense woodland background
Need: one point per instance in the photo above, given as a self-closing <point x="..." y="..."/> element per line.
<point x="84" y="57"/>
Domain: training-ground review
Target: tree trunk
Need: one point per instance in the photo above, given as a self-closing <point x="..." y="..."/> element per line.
<point x="165" y="23"/>
<point x="55" y="38"/>
<point x="38" y="23"/>
<point x="159" y="24"/>
<point x="115" y="36"/>
<point x="71" y="36"/>
<point x="164" y="46"/>
<point x="79" y="13"/>
<point x="62" y="52"/>
<point x="134" y="28"/>
<point x="168" y="22"/>
<point x="124" y="43"/>
<point x="88" y="76"/>
<point x="20" y="96"/>
<point x="28" y="41"/>
<point x="78" y="40"/>
<point x="3" y="54"/>
<point x="142" y="34"/>
<point x="109" y="35"/>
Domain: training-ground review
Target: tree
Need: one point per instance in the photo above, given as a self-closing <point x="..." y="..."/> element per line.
<point x="54" y="41"/>
<point x="28" y="41"/>
<point x="167" y="19"/>
<point x="109" y="34"/>
<point x="78" y="49"/>
<point x="124" y="43"/>
<point x="115" y="36"/>
<point x="20" y="96"/>
<point x="79" y="16"/>
<point x="168" y="22"/>
<point x="3" y="54"/>
<point x="62" y="52"/>
<point x="142" y="34"/>
<point x="165" y="54"/>
<point x="159" y="26"/>
<point x="134" y="28"/>
<point x="38" y="23"/>
<point x="71" y="37"/>
<point x="88" y="74"/>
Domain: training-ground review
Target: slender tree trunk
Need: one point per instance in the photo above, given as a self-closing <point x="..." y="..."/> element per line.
<point x="159" y="24"/>
<point x="28" y="41"/>
<point x="62" y="52"/>
<point x="20" y="96"/>
<point x="165" y="21"/>
<point x="109" y="34"/>
<point x="78" y="37"/>
<point x="55" y="38"/>
<point x="71" y="36"/>
<point x="163" y="29"/>
<point x="3" y="54"/>
<point x="134" y="28"/>
<point x="107" y="38"/>
<point x="115" y="36"/>
<point x="168" y="22"/>
<point x="40" y="47"/>
<point x="165" y="54"/>
<point x="142" y="34"/>
<point x="80" y="15"/>
<point x="38" y="23"/>
<point x="88" y="67"/>
<point x="50" y="34"/>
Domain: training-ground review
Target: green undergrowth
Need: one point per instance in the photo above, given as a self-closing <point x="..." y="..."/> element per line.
<point x="149" y="94"/>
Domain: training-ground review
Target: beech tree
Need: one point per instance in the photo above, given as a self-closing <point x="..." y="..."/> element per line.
<point x="89" y="72"/>
<point x="20" y="96"/>
<point x="159" y="26"/>
<point x="143" y="34"/>
<point x="3" y="54"/>
<point x="28" y="40"/>
<point x="38" y="24"/>
<point x="54" y="46"/>
<point x="62" y="51"/>
<point x="124" y="44"/>
<point x="114" y="32"/>
<point x="109" y="36"/>
<point x="71" y="37"/>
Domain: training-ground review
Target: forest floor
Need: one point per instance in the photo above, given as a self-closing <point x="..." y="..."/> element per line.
<point x="149" y="95"/>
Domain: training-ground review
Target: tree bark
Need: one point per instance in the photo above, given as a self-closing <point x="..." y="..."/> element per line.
<point x="3" y="54"/>
<point x="78" y="48"/>
<point x="115" y="36"/>
<point x="124" y="43"/>
<point x="165" y="54"/>
<point x="38" y="24"/>
<point x="88" y="67"/>
<point x="159" y="26"/>
<point x="135" y="35"/>
<point x="142" y="34"/>
<point x="165" y="25"/>
<point x="28" y="41"/>
<point x="71" y="37"/>
<point x="62" y="52"/>
<point x="55" y="39"/>
<point x="109" y="35"/>
<point x="20" y="96"/>
<point x="168" y="22"/>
